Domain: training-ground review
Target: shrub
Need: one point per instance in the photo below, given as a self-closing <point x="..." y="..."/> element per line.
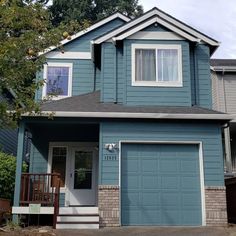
<point x="7" y="175"/>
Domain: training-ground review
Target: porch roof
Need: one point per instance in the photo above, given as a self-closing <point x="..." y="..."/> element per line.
<point x="89" y="105"/>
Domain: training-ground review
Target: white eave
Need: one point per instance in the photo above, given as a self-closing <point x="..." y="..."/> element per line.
<point x="85" y="31"/>
<point x="127" y="115"/>
<point x="161" y="18"/>
<point x="224" y="68"/>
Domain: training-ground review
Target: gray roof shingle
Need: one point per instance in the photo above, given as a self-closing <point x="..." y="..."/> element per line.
<point x="223" y="62"/>
<point x="91" y="103"/>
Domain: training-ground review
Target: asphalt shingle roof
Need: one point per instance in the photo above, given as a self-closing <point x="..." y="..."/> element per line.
<point x="91" y="103"/>
<point x="223" y="62"/>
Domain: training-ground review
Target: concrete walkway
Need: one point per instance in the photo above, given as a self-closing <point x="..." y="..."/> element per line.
<point x="151" y="231"/>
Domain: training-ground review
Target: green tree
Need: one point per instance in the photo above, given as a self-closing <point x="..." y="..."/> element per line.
<point x="25" y="31"/>
<point x="7" y="175"/>
<point x="91" y="10"/>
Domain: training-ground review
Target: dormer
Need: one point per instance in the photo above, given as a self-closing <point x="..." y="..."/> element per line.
<point x="155" y="59"/>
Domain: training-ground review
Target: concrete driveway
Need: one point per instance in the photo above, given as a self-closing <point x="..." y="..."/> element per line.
<point x="127" y="231"/>
<point x="151" y="231"/>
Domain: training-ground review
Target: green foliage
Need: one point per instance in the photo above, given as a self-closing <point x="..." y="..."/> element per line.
<point x="25" y="31"/>
<point x="7" y="175"/>
<point x="80" y="10"/>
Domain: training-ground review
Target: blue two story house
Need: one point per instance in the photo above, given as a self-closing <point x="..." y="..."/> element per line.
<point x="131" y="137"/>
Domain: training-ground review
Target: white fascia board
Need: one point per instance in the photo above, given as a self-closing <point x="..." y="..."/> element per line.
<point x="135" y="115"/>
<point x="233" y="117"/>
<point x="69" y="55"/>
<point x="125" y="27"/>
<point x="187" y="28"/>
<point x="160" y="21"/>
<point x="224" y="68"/>
<point x="165" y="17"/>
<point x="85" y="31"/>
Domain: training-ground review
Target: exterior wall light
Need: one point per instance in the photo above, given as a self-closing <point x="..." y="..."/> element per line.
<point x="110" y="146"/>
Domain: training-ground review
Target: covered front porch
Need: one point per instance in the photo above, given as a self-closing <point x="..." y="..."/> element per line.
<point x="62" y="178"/>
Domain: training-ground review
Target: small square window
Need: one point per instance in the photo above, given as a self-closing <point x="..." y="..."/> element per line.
<point x="58" y="80"/>
<point x="156" y="65"/>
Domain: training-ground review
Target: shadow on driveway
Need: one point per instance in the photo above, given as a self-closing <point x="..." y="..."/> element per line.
<point x="151" y="231"/>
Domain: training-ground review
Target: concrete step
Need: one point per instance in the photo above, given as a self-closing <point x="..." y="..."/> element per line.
<point x="78" y="218"/>
<point x="77" y="210"/>
<point x="77" y="226"/>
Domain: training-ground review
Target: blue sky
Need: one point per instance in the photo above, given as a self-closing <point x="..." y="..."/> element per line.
<point x="216" y="18"/>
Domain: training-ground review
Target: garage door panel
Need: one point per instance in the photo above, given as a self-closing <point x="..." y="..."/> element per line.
<point x="131" y="182"/>
<point x="149" y="182"/>
<point x="151" y="217"/>
<point x="150" y="165"/>
<point x="189" y="166"/>
<point x="171" y="217"/>
<point x="169" y="165"/>
<point x="160" y="185"/>
<point x="131" y="199"/>
<point x="189" y="183"/>
<point x="170" y="182"/>
<point x="151" y="199"/>
<point x="170" y="200"/>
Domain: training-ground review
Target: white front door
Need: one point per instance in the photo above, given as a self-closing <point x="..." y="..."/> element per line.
<point x="83" y="173"/>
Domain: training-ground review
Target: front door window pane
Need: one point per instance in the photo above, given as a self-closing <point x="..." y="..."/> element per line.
<point x="59" y="163"/>
<point x="83" y="170"/>
<point x="57" y="80"/>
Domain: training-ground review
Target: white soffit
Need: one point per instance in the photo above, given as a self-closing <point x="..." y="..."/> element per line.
<point x="156" y="35"/>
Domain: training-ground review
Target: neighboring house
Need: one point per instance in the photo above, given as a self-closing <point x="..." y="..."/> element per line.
<point x="223" y="72"/>
<point x="133" y="133"/>
<point x="8" y="136"/>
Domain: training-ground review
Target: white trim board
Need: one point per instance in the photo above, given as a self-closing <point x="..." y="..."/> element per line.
<point x="25" y="210"/>
<point x="155" y="35"/>
<point x="163" y="17"/>
<point x="157" y="83"/>
<point x="85" y="31"/>
<point x="133" y="115"/>
<point x="156" y="20"/>
<point x="201" y="167"/>
<point x="69" y="55"/>
<point x="69" y="146"/>
<point x="62" y="64"/>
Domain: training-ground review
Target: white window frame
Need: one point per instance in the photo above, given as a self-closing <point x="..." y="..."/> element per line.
<point x="45" y="71"/>
<point x="157" y="83"/>
<point x="62" y="189"/>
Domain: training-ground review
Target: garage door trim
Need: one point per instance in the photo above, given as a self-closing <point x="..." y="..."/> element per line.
<point x="201" y="167"/>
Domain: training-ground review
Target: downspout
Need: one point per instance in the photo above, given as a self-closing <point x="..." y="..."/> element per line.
<point x="115" y="73"/>
<point x="94" y="76"/>
<point x="228" y="159"/>
<point x="196" y="97"/>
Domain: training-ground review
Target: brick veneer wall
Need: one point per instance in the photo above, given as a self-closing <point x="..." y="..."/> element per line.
<point x="109" y="209"/>
<point x="216" y="209"/>
<point x="108" y="203"/>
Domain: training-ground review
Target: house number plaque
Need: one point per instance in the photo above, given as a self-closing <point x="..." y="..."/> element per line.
<point x="110" y="157"/>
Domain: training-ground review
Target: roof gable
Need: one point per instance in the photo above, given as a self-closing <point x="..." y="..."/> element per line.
<point x="89" y="29"/>
<point x="156" y="15"/>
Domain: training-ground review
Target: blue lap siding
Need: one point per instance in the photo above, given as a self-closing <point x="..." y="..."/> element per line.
<point x="208" y="134"/>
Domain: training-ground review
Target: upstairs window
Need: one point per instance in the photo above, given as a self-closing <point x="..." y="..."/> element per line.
<point x="156" y="65"/>
<point x="58" y="78"/>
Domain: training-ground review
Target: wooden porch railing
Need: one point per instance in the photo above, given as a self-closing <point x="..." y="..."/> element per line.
<point x="41" y="189"/>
